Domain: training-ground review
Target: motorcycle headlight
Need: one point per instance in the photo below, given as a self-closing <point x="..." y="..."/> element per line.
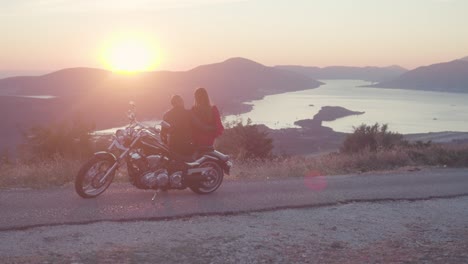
<point x="120" y="135"/>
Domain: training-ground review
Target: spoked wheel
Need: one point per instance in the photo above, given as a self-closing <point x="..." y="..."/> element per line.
<point x="214" y="178"/>
<point x="89" y="181"/>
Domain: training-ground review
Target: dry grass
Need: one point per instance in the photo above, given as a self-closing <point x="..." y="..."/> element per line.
<point x="43" y="174"/>
<point x="57" y="171"/>
<point x="60" y="171"/>
<point x="340" y="163"/>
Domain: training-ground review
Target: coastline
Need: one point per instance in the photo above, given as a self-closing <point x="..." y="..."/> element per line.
<point x="439" y="137"/>
<point x="320" y="140"/>
<point x="312" y="136"/>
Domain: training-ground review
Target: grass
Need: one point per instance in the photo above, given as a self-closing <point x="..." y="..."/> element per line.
<point x="42" y="174"/>
<point x="54" y="172"/>
<point x="59" y="171"/>
<point x="364" y="161"/>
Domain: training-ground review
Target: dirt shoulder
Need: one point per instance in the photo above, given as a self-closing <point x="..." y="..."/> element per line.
<point x="431" y="231"/>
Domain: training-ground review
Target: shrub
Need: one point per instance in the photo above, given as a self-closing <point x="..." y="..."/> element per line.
<point x="5" y="157"/>
<point x="372" y="138"/>
<point x="245" y="141"/>
<point x="70" y="139"/>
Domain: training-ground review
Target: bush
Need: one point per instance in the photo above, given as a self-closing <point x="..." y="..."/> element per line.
<point x="372" y="138"/>
<point x="66" y="139"/>
<point x="5" y="157"/>
<point x="245" y="141"/>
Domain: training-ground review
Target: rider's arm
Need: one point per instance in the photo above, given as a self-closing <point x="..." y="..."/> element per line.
<point x="165" y="130"/>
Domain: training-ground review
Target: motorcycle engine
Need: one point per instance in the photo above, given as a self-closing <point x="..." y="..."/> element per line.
<point x="158" y="178"/>
<point x="176" y="179"/>
<point x="154" y="174"/>
<point x="153" y="161"/>
<point x="150" y="175"/>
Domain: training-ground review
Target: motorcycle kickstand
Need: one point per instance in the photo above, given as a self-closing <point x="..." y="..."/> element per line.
<point x="155" y="194"/>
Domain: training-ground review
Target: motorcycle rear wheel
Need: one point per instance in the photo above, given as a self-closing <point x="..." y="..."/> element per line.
<point x="87" y="182"/>
<point x="215" y="173"/>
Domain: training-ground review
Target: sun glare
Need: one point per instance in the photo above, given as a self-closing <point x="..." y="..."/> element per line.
<point x="129" y="56"/>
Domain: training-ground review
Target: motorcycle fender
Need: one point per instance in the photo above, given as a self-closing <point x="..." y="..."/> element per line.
<point x="105" y="154"/>
<point x="226" y="166"/>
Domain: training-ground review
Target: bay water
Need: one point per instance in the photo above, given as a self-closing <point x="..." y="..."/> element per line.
<point x="405" y="111"/>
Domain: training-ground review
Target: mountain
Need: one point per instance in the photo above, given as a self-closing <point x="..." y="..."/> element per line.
<point x="5" y="74"/>
<point x="374" y="74"/>
<point x="464" y="59"/>
<point x="60" y="83"/>
<point x="102" y="97"/>
<point x="445" y="77"/>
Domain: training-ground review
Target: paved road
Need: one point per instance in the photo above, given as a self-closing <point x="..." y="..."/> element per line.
<point x="20" y="209"/>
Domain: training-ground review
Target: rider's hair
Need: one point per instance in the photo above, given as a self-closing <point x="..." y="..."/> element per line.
<point x="202" y="105"/>
<point x="177" y="100"/>
<point x="202" y="98"/>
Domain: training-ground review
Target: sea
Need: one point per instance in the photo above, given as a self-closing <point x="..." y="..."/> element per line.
<point x="405" y="111"/>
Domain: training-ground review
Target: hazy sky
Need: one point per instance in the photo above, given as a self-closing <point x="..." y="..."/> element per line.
<point x="54" y="34"/>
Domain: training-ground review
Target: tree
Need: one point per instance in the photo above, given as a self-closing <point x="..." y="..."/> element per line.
<point x="245" y="141"/>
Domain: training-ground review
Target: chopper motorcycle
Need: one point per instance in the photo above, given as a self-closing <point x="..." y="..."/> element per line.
<point x="150" y="163"/>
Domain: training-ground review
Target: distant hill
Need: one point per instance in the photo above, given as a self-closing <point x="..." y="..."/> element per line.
<point x="464" y="59"/>
<point x="446" y="77"/>
<point x="102" y="96"/>
<point x="373" y="74"/>
<point x="5" y="74"/>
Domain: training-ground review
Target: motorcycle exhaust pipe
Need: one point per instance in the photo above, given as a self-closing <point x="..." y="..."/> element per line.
<point x="197" y="170"/>
<point x="197" y="176"/>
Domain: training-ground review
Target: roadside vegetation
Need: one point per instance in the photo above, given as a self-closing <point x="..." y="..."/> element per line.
<point x="368" y="148"/>
<point x="414" y="157"/>
<point x="51" y="156"/>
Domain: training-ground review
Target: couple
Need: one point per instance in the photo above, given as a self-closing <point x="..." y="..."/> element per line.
<point x="192" y="130"/>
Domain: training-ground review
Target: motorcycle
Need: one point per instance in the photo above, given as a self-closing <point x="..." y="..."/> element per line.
<point x="150" y="163"/>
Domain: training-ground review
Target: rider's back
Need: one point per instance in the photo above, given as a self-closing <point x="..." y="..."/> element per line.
<point x="209" y="117"/>
<point x="180" y="134"/>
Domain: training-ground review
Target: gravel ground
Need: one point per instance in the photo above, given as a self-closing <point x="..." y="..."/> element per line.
<point x="431" y="231"/>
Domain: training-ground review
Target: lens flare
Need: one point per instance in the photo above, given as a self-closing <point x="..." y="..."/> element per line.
<point x="315" y="181"/>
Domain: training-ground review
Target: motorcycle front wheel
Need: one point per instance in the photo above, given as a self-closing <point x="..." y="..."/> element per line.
<point x="88" y="181"/>
<point x="215" y="178"/>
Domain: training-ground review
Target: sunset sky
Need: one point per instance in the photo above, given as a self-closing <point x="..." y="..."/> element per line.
<point x="47" y="35"/>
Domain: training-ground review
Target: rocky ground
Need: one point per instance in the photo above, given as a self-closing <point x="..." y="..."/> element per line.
<point x="428" y="231"/>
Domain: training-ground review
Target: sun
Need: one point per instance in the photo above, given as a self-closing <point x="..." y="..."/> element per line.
<point x="130" y="55"/>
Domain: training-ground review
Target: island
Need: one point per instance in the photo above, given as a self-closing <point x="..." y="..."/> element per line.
<point x="326" y="113"/>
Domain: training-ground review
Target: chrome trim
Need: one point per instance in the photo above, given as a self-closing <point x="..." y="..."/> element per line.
<point x="196" y="163"/>
<point x="111" y="145"/>
<point x="104" y="178"/>
<point x="197" y="170"/>
<point x="118" y="145"/>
